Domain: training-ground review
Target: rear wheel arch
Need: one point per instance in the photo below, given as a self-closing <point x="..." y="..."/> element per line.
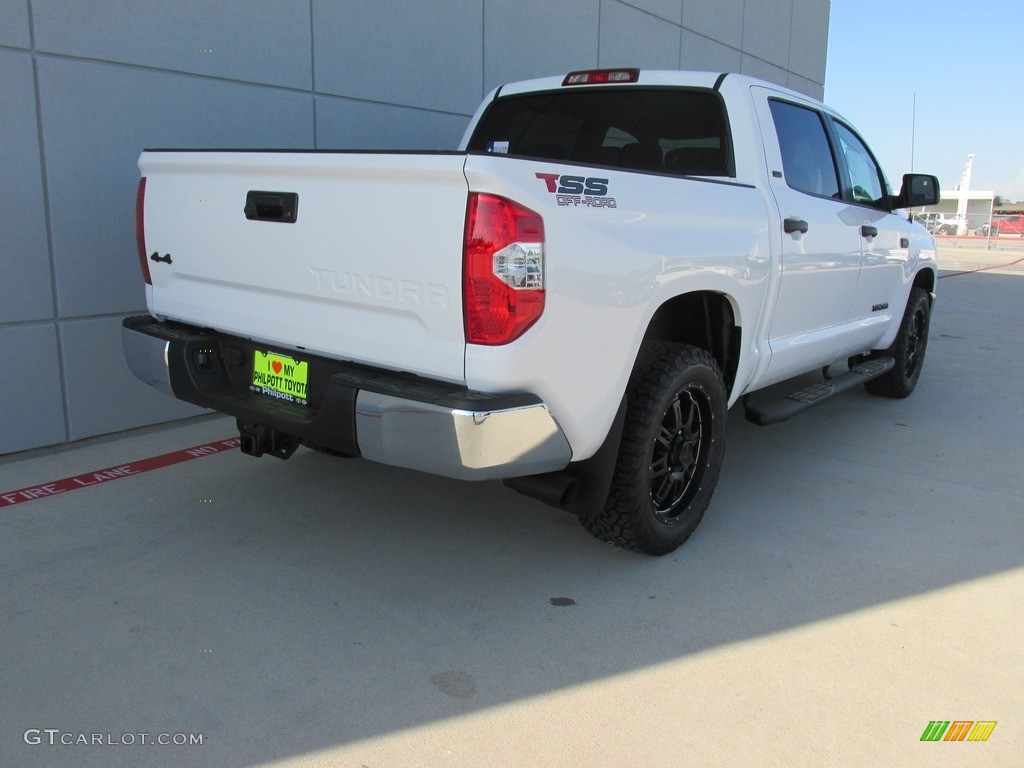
<point x="702" y="319"/>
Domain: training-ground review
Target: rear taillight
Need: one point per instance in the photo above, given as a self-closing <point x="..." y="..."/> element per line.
<point x="503" y="269"/>
<point x="140" y="230"/>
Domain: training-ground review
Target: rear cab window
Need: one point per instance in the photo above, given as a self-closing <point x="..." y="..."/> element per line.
<point x="679" y="131"/>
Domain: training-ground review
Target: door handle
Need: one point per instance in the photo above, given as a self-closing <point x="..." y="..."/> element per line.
<point x="866" y="230"/>
<point x="789" y="226"/>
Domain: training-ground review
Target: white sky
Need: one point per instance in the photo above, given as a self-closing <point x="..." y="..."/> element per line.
<point x="961" y="60"/>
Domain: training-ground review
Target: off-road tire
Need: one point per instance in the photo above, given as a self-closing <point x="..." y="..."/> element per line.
<point x="673" y="442"/>
<point x="908" y="349"/>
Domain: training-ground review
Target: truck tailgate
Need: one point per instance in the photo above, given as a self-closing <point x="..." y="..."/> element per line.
<point x="370" y="269"/>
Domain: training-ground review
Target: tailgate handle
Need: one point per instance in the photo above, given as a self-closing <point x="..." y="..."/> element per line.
<point x="272" y="206"/>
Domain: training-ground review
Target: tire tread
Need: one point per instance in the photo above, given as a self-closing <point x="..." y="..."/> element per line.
<point x="622" y="521"/>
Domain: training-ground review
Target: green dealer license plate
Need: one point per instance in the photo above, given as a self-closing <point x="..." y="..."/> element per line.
<point x="280" y="376"/>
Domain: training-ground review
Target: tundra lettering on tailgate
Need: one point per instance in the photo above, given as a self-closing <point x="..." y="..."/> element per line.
<point x="363" y="287"/>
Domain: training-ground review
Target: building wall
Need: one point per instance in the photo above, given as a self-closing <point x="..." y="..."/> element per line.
<point x="85" y="85"/>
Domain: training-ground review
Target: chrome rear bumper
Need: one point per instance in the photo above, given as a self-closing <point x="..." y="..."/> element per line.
<point x="467" y="444"/>
<point x="385" y="417"/>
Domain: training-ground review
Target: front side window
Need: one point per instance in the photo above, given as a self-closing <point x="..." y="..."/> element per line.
<point x="668" y="130"/>
<point x="807" y="160"/>
<point x="866" y="182"/>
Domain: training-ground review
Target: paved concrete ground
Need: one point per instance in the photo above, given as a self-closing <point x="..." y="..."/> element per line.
<point x="1002" y="256"/>
<point x="860" y="573"/>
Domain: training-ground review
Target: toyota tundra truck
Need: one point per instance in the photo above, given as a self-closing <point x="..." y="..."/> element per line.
<point x="570" y="302"/>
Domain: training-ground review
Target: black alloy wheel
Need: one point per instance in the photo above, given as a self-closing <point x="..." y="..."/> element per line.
<point x="907" y="350"/>
<point x="671" y="451"/>
<point x="679" y="452"/>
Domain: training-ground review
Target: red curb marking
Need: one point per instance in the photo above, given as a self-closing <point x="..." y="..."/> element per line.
<point x="34" y="492"/>
<point x="982" y="269"/>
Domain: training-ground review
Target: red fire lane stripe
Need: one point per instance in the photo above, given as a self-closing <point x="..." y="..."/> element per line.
<point x="21" y="495"/>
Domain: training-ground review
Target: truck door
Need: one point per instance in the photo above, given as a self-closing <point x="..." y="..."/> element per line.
<point x="885" y="241"/>
<point x="820" y="238"/>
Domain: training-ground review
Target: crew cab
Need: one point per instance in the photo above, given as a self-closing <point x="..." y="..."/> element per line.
<point x="569" y="302"/>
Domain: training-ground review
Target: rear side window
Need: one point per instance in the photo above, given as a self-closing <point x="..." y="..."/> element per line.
<point x="806" y="154"/>
<point x="669" y="130"/>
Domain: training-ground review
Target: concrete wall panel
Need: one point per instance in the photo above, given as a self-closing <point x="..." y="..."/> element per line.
<point x="703" y="53"/>
<point x="96" y="119"/>
<point x="14" y="28"/>
<point x="809" y="36"/>
<point x="258" y="41"/>
<point x="33" y="403"/>
<point x="349" y="124"/>
<point x="766" y="30"/>
<point x="622" y="26"/>
<point x="670" y="10"/>
<point x="563" y="36"/>
<point x="103" y="395"/>
<point x="756" y="67"/>
<point x="385" y="51"/>
<point x="721" y="20"/>
<point x="24" y="254"/>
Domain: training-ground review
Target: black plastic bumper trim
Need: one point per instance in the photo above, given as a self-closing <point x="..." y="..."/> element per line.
<point x="328" y="420"/>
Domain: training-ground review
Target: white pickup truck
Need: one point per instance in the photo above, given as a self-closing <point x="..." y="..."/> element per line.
<point x="570" y="302"/>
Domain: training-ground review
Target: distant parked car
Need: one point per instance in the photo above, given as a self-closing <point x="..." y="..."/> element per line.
<point x="938" y="223"/>
<point x="1006" y="225"/>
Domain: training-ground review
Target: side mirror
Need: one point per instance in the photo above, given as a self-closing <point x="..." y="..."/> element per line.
<point x="919" y="189"/>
